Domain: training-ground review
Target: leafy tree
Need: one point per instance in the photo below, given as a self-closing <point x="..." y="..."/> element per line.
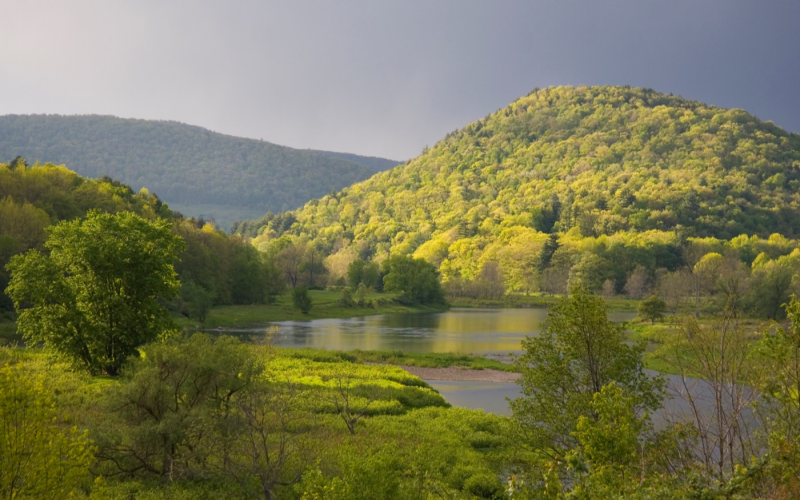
<point x="369" y="274"/>
<point x="196" y="301"/>
<point x="591" y="271"/>
<point x="95" y="298"/>
<point x="38" y="458"/>
<point x="417" y="279"/>
<point x="772" y="287"/>
<point x="355" y="273"/>
<point x="301" y="299"/>
<point x="578" y="352"/>
<point x="652" y="308"/>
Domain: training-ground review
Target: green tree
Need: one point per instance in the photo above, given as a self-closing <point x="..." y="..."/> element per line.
<point x="772" y="287"/>
<point x="652" y="309"/>
<point x="416" y="279"/>
<point x="591" y="271"/>
<point x="195" y="300"/>
<point x="38" y="459"/>
<point x="96" y="297"/>
<point x="778" y="352"/>
<point x="355" y="273"/>
<point x="301" y="299"/>
<point x="578" y="352"/>
<point x="160" y="418"/>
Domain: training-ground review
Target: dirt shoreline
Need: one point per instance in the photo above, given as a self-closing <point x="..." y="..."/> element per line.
<point x="457" y="373"/>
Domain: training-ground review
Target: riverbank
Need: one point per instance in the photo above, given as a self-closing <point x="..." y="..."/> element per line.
<point x="543" y="300"/>
<point x="325" y="305"/>
<point x="461" y="374"/>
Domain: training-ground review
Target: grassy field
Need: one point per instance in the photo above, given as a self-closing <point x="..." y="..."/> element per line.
<point x="325" y="306"/>
<point x="421" y="359"/>
<point x="659" y="334"/>
<point x="615" y="304"/>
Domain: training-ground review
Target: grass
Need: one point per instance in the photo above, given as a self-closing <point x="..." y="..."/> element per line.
<point x="8" y="328"/>
<point x="421" y="359"/>
<point x="325" y="306"/>
<point x="655" y="335"/>
<point x="615" y="304"/>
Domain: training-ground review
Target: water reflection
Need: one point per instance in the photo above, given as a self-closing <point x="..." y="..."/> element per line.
<point x="490" y="331"/>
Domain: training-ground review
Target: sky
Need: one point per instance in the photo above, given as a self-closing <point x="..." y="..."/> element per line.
<point x="384" y="78"/>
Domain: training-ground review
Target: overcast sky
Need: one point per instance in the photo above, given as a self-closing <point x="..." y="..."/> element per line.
<point x="384" y="78"/>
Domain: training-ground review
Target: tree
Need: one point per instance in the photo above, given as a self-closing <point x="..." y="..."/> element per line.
<point x="416" y="279"/>
<point x="160" y="417"/>
<point x="591" y="271"/>
<point x="491" y="280"/>
<point x="712" y="360"/>
<point x="38" y="459"/>
<point x="778" y="352"/>
<point x="355" y="273"/>
<point x="638" y="283"/>
<point x="674" y="288"/>
<point x="772" y="287"/>
<point x="652" y="309"/>
<point x="733" y="283"/>
<point x="578" y="352"/>
<point x="96" y="297"/>
<point x="301" y="299"/>
<point x="195" y="300"/>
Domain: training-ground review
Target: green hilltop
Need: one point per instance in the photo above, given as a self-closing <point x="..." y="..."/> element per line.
<point x="590" y="165"/>
<point x="198" y="171"/>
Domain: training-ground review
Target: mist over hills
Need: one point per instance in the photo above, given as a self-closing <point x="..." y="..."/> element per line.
<point x="588" y="164"/>
<point x="197" y="171"/>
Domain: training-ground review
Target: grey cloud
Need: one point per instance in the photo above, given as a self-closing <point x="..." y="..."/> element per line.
<point x="384" y="78"/>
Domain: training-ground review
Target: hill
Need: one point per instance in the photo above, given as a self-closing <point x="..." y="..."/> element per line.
<point x="199" y="172"/>
<point x="215" y="268"/>
<point x="577" y="167"/>
<point x="372" y="162"/>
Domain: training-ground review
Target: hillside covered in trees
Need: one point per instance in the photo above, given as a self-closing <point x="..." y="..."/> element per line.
<point x="214" y="268"/>
<point x="198" y="171"/>
<point x="569" y="181"/>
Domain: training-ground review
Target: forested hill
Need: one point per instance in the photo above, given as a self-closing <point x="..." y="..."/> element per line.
<point x="580" y="162"/>
<point x="197" y="171"/>
<point x="372" y="162"/>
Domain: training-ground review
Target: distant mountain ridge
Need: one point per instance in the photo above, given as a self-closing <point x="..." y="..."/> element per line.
<point x="195" y="170"/>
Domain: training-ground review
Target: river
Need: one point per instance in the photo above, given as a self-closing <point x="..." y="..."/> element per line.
<point x="493" y="332"/>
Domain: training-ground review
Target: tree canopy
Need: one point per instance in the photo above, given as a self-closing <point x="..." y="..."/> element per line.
<point x="628" y="174"/>
<point x="96" y="296"/>
<point x="578" y="352"/>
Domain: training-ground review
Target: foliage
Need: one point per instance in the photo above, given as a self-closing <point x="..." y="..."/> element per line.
<point x="226" y="269"/>
<point x="652" y="309"/>
<point x="95" y="298"/>
<point x="622" y="173"/>
<point x="577" y="353"/>
<point x="363" y="273"/>
<point x="32" y="198"/>
<point x="156" y="416"/>
<point x="416" y="279"/>
<point x="301" y="299"/>
<point x="39" y="457"/>
<point x="187" y="165"/>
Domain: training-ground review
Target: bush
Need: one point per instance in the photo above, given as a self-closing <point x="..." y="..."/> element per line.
<point x="301" y="299"/>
